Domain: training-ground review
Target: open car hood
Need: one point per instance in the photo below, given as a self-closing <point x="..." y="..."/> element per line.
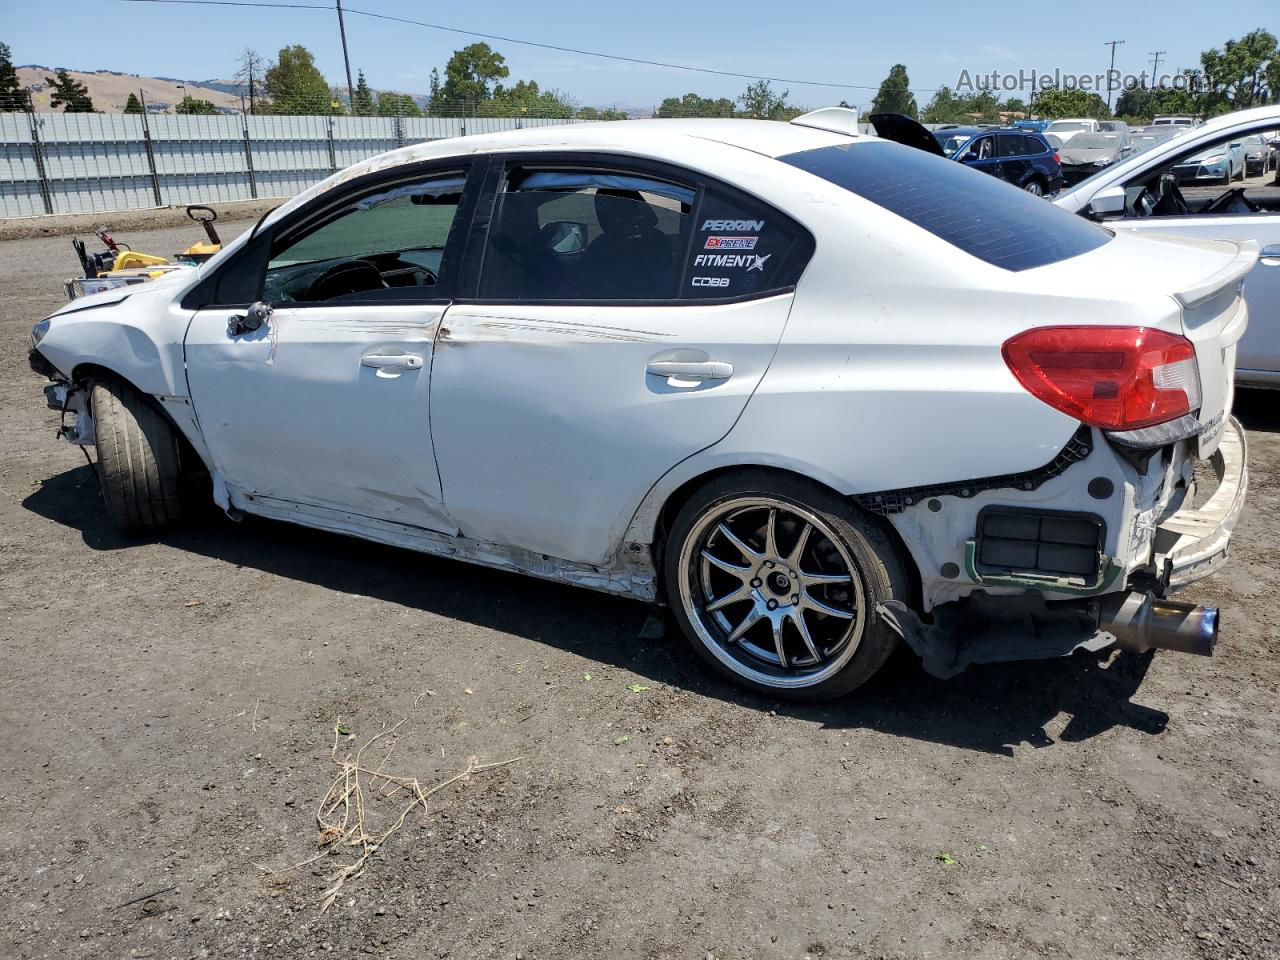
<point x="902" y="129"/>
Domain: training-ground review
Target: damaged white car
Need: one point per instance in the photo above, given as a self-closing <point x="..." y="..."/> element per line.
<point x="815" y="391"/>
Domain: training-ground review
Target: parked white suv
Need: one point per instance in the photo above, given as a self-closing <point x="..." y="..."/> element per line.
<point x="814" y="390"/>
<point x="1069" y="127"/>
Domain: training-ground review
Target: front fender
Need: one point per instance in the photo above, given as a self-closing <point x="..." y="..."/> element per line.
<point x="139" y="338"/>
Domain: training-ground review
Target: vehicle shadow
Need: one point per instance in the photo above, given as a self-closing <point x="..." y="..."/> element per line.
<point x="990" y="709"/>
<point x="1258" y="409"/>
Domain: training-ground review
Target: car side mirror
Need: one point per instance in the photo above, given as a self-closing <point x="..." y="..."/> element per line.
<point x="1109" y="201"/>
<point x="565" y="237"/>
<point x="252" y="319"/>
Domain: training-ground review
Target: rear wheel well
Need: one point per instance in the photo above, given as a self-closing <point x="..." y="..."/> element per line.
<point x="681" y="495"/>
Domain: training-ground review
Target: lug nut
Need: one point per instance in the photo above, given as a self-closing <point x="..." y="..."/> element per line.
<point x="768" y="564"/>
<point x="795" y="598"/>
<point x="772" y="604"/>
<point x="757" y="582"/>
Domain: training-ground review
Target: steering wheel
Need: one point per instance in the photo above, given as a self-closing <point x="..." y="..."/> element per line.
<point x="1232" y="202"/>
<point x="351" y="276"/>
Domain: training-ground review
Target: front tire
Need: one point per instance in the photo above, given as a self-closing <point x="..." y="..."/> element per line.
<point x="1035" y="188"/>
<point x="775" y="580"/>
<point x="138" y="459"/>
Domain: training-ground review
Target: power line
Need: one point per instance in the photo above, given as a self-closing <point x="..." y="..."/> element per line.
<point x="526" y="43"/>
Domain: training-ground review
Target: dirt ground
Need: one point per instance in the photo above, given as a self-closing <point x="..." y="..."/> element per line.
<point x="169" y="709"/>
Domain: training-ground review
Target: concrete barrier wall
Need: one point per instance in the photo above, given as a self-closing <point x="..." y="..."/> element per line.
<point x="99" y="162"/>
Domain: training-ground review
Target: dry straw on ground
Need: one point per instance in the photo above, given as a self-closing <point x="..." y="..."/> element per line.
<point x="341" y="815"/>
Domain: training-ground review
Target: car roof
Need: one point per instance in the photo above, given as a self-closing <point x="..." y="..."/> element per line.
<point x="643" y="138"/>
<point x="772" y="138"/>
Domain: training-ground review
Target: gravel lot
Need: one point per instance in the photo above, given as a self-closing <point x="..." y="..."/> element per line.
<point x="170" y="709"/>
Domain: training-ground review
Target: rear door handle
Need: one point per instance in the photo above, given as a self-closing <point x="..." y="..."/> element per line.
<point x="392" y="361"/>
<point x="693" y="371"/>
<point x="1272" y="251"/>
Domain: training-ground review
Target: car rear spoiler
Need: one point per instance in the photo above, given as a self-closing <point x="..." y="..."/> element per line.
<point x="888" y="126"/>
<point x="1233" y="272"/>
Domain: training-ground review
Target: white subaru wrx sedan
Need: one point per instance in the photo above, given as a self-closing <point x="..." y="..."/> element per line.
<point x="817" y="392"/>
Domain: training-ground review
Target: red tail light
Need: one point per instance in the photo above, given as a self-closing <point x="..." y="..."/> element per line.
<point x="1117" y="378"/>
<point x="1056" y="159"/>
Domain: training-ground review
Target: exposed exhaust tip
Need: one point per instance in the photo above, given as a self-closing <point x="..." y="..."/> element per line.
<point x="1141" y="622"/>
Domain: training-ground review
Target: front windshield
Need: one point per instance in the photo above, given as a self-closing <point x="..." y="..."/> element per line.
<point x="1095" y="141"/>
<point x="1067" y="126"/>
<point x="1216" y="151"/>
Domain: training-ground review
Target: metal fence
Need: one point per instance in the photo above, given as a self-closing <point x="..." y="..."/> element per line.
<point x="98" y="162"/>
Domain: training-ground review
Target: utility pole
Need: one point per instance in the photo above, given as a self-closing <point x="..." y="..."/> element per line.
<point x="1155" y="65"/>
<point x="346" y="60"/>
<point x="1112" y="44"/>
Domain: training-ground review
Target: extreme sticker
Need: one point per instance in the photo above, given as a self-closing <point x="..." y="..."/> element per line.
<point x="729" y="226"/>
<point x="730" y="243"/>
<point x="710" y="281"/>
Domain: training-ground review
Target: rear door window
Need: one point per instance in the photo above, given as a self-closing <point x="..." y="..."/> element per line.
<point x="567" y="234"/>
<point x="981" y="215"/>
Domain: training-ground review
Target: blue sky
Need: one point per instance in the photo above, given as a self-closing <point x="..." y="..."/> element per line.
<point x="835" y="42"/>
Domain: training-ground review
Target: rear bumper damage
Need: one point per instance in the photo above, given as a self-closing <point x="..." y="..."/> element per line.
<point x="1156" y="539"/>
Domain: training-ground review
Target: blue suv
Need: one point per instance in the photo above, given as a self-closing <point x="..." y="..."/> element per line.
<point x="1022" y="157"/>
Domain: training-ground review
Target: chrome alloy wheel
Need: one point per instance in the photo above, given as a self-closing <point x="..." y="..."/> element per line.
<point x="772" y="592"/>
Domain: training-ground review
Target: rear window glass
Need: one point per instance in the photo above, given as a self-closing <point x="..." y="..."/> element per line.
<point x="977" y="213"/>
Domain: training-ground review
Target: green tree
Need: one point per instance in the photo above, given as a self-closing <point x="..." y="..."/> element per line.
<point x="526" y="100"/>
<point x="760" y="102"/>
<point x="469" y="77"/>
<point x="69" y="92"/>
<point x="433" y="92"/>
<point x="133" y="104"/>
<point x="12" y="97"/>
<point x="1052" y="104"/>
<point x="1236" y="77"/>
<point x="1014" y="105"/>
<point x="190" y="104"/>
<point x="362" y="99"/>
<point x="894" y="95"/>
<point x="692" y="105"/>
<point x="397" y="105"/>
<point x="609" y="113"/>
<point x="295" y="83"/>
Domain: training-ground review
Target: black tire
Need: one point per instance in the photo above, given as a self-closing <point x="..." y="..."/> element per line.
<point x="138" y="459"/>
<point x="1034" y="187"/>
<point x="875" y="563"/>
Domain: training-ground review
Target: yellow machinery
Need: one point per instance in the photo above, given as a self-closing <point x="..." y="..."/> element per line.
<point x="119" y="266"/>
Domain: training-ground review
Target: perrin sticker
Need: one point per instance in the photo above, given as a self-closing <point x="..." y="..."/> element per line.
<point x="726" y="226"/>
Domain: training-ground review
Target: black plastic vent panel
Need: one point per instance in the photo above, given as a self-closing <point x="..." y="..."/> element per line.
<point x="1040" y="542"/>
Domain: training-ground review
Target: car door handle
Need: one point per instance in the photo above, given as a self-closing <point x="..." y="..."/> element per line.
<point x="1272" y="252"/>
<point x="685" y="370"/>
<point x="392" y="361"/>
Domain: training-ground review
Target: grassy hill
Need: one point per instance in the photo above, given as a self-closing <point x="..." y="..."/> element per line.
<point x="110" y="91"/>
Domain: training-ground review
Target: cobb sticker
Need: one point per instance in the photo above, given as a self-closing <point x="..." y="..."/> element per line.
<point x="710" y="281"/>
<point x="730" y="243"/>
